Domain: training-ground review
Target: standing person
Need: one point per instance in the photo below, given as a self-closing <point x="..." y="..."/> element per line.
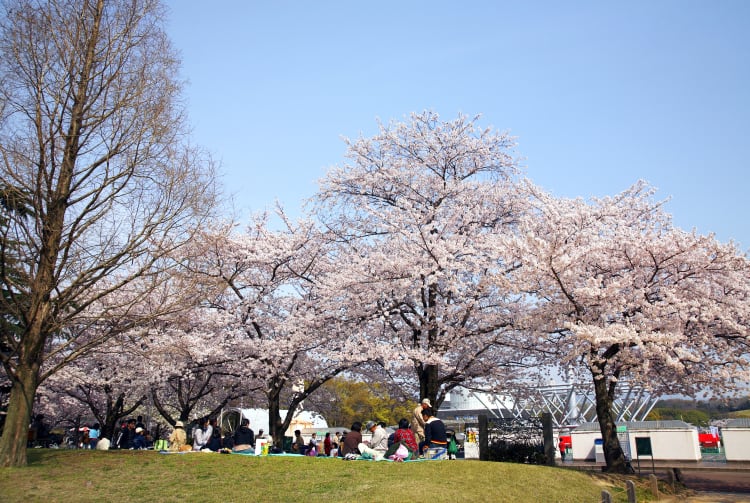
<point x="434" y="432"/>
<point x="417" y="422"/>
<point x="379" y="440"/>
<point x="350" y="444"/>
<point x="327" y="444"/>
<point x="244" y="437"/>
<point x="94" y="435"/>
<point x="178" y="437"/>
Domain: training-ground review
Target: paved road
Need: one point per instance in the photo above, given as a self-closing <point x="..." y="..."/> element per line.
<point x="712" y="497"/>
<point x="712" y="482"/>
<point x="718" y="486"/>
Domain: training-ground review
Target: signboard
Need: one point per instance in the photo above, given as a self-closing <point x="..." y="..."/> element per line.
<point x="643" y="446"/>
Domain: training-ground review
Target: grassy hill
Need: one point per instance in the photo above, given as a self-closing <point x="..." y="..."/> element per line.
<point x="72" y="475"/>
<point x="740" y="413"/>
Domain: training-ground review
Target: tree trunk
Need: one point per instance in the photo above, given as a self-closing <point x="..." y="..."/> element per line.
<point x="613" y="454"/>
<point x="429" y="384"/>
<point x="274" y="420"/>
<point x="113" y="414"/>
<point x="16" y="431"/>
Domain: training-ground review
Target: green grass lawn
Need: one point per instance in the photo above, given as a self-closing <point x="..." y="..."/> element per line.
<point x="71" y="475"/>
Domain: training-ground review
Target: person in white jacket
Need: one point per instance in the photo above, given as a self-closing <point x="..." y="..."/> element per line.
<point x="202" y="434"/>
<point x="379" y="440"/>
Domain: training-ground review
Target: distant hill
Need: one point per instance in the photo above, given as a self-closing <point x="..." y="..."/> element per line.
<point x="700" y="412"/>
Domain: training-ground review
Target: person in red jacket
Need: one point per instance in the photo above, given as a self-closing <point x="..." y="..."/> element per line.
<point x="405" y="435"/>
<point x="327" y="445"/>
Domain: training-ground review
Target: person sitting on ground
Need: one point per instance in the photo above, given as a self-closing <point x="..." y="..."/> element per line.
<point x="244" y="437"/>
<point x="178" y="437"/>
<point x="115" y="443"/>
<point x="434" y="432"/>
<point x="126" y="438"/>
<point x="40" y="437"/>
<point x="327" y="446"/>
<point x="139" y="439"/>
<point x="340" y="449"/>
<point x="313" y="443"/>
<point x="312" y="450"/>
<point x="298" y="446"/>
<point x="83" y="437"/>
<point x="202" y="434"/>
<point x="214" y="441"/>
<point x="379" y="440"/>
<point x="94" y="435"/>
<point x="351" y="441"/>
<point x="405" y="435"/>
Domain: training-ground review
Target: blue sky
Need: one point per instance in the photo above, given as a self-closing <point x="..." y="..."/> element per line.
<point x="599" y="94"/>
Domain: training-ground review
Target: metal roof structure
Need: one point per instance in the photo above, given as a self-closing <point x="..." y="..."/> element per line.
<point x="570" y="404"/>
<point x="740" y="422"/>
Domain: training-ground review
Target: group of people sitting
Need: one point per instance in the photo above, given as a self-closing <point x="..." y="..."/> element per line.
<point x="409" y="441"/>
<point x="131" y="435"/>
<point x="207" y="437"/>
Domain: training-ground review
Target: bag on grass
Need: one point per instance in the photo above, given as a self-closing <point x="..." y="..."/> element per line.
<point x="452" y="446"/>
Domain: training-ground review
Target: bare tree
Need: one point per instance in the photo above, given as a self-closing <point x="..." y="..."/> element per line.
<point x="92" y="133"/>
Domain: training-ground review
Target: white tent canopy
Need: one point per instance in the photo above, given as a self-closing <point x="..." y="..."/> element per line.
<point x="259" y="419"/>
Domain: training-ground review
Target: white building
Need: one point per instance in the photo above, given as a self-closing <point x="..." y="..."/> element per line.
<point x="668" y="440"/>
<point x="736" y="438"/>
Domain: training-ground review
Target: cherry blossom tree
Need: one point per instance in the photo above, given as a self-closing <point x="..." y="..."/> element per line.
<point x="105" y="383"/>
<point x="93" y="135"/>
<point x="198" y="375"/>
<point x="623" y="295"/>
<point x="420" y="211"/>
<point x="109" y="360"/>
<point x="273" y="311"/>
